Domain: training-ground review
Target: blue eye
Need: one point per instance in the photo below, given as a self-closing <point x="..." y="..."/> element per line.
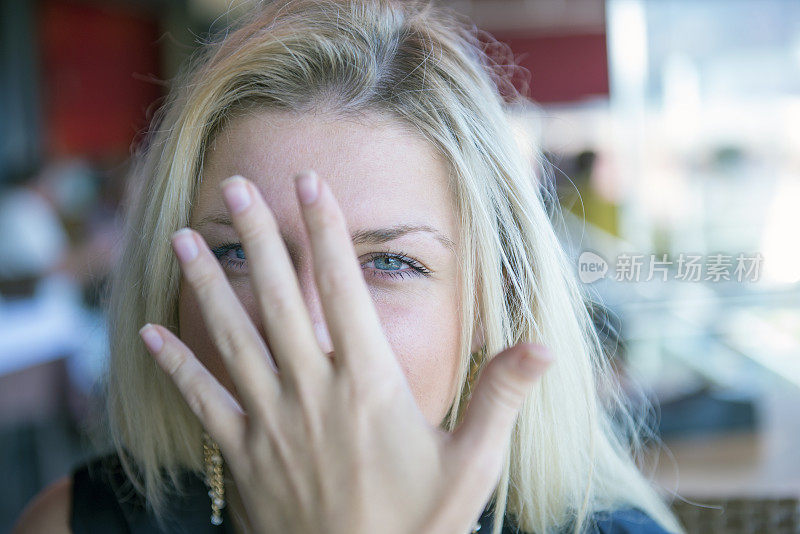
<point x="230" y="255"/>
<point x="389" y="265"/>
<point x="385" y="265"/>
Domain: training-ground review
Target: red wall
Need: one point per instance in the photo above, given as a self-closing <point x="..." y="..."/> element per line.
<point x="564" y="68"/>
<point x="94" y="61"/>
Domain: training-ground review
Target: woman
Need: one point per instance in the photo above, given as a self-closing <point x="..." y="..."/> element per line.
<point x="358" y="244"/>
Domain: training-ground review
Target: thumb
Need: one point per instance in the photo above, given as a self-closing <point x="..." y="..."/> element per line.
<point x="493" y="408"/>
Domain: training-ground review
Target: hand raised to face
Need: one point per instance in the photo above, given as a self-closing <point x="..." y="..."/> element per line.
<point x="316" y="444"/>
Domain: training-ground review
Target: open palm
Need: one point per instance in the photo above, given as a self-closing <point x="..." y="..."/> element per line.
<point x="335" y="445"/>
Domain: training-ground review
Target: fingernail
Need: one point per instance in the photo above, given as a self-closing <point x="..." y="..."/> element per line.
<point x="184" y="245"/>
<point x="152" y="339"/>
<point x="307" y="187"/>
<point x="236" y="193"/>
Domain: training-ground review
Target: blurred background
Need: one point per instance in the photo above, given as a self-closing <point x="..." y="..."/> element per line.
<point x="672" y="130"/>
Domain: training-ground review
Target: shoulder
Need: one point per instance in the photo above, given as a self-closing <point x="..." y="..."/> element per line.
<point x="49" y="511"/>
<point x="625" y="521"/>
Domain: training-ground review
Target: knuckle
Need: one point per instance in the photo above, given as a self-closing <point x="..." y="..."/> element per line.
<point x="188" y="382"/>
<point x="175" y="364"/>
<point x="229" y="343"/>
<point x="277" y="302"/>
<point x="256" y="230"/>
<point x="203" y="277"/>
<point x="504" y="393"/>
<point x="196" y="404"/>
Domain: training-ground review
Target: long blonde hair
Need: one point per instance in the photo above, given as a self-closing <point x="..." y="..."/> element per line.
<point x="426" y="67"/>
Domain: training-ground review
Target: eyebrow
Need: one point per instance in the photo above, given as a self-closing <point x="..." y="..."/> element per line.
<point x="372" y="236"/>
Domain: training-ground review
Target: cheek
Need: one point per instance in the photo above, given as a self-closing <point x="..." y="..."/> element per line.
<point x="424" y="335"/>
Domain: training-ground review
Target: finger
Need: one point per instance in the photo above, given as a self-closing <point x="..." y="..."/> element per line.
<point x="214" y="406"/>
<point x="242" y="349"/>
<point x="288" y="329"/>
<point x="498" y="396"/>
<point x="350" y="314"/>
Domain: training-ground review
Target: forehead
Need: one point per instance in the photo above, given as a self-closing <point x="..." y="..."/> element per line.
<point x="378" y="170"/>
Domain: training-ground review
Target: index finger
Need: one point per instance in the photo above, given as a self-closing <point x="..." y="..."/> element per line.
<point x="237" y="340"/>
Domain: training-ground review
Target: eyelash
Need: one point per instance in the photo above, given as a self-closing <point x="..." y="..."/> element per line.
<point x="417" y="269"/>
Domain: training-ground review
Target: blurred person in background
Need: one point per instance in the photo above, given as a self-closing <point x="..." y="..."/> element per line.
<point x="404" y="399"/>
<point x="58" y="225"/>
<point x="59" y="219"/>
<point x="30" y="226"/>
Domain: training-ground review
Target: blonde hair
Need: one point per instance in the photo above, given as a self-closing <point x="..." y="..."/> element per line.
<point x="424" y="66"/>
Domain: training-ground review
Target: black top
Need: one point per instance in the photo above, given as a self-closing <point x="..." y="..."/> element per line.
<point x="104" y="501"/>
